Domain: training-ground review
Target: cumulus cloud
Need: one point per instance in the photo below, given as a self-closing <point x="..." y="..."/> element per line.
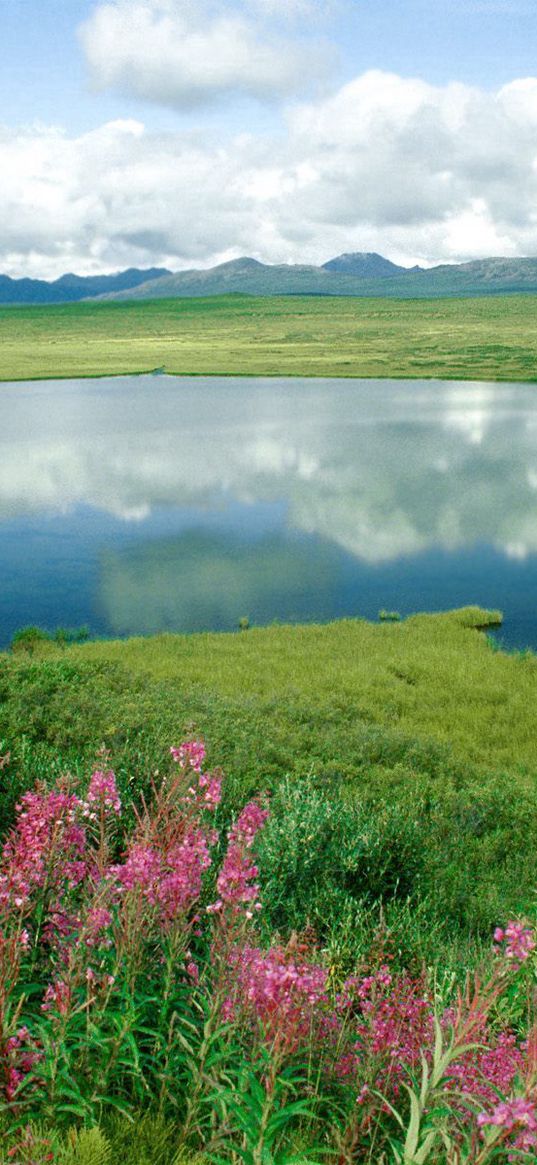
<point x="386" y="163"/>
<point x="186" y="53"/>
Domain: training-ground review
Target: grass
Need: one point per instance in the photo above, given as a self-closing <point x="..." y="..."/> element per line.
<point x="400" y="758"/>
<point x="431" y="676"/>
<point x="408" y="748"/>
<point x="489" y="338"/>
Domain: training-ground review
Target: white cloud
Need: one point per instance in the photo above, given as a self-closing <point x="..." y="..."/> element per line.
<point x="185" y="53"/>
<point x="387" y="163"/>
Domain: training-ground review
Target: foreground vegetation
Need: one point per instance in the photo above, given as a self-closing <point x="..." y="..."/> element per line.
<point x="489" y="338"/>
<point x="378" y="803"/>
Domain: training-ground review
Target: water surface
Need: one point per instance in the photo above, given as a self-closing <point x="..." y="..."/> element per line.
<point x="144" y="504"/>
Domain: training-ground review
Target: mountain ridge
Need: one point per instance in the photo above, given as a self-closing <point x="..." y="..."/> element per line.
<point x="350" y="274"/>
<point x="70" y="288"/>
<point x="496" y="275"/>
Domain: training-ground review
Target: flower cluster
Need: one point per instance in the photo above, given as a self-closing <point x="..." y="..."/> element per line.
<point x="19" y="1058"/>
<point x="57" y="998"/>
<point x="103" y="793"/>
<point x="47" y="845"/>
<point x="516" y="942"/>
<point x="97" y="934"/>
<point x="516" y="1118"/>
<point x="393" y="1025"/>
<point x="237" y="886"/>
<point x="190" y="754"/>
<point x="276" y="991"/>
<point x="492" y="1068"/>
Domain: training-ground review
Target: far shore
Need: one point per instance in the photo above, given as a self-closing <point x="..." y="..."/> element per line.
<point x="492" y="339"/>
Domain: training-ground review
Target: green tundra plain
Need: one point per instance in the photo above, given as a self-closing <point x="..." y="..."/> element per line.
<point x="489" y="338"/>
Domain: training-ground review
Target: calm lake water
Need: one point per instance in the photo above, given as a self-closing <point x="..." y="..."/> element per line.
<point x="144" y="504"/>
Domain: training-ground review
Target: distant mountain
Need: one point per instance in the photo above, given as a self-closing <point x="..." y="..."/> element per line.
<point x="249" y="277"/>
<point x="70" y="288"/>
<point x="365" y="263"/>
<point x="358" y="274"/>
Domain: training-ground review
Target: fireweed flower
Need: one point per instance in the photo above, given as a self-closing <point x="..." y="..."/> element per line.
<point x="189" y="754"/>
<point x="509" y="1113"/>
<point x="516" y="1117"/>
<point x="180" y="884"/>
<point x="141" y="870"/>
<point x="485" y="1071"/>
<point x="47" y="844"/>
<point x="55" y="898"/>
<point x="19" y="1058"/>
<point x="95" y="927"/>
<point x="277" y="989"/>
<point x="211" y="784"/>
<point x="57" y="998"/>
<point x="102" y="792"/>
<point x="237" y="884"/>
<point x="516" y="942"/>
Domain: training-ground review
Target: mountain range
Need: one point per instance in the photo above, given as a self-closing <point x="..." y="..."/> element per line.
<point x="354" y="274"/>
<point x="71" y="288"/>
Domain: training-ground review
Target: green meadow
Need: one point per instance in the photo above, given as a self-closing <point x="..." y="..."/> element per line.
<point x="416" y="738"/>
<point x="492" y="338"/>
<point x="399" y="760"/>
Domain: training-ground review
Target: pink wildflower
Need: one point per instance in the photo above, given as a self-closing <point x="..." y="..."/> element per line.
<point x="190" y="754"/>
<point x="57" y="998"/>
<point x="19" y="1058"/>
<point x="278" y="991"/>
<point x="248" y="824"/>
<point x="180" y="884"/>
<point x="103" y="792"/>
<point x="485" y="1071"/>
<point x="237" y="886"/>
<point x="212" y="786"/>
<point x="516" y="1117"/>
<point x="516" y="940"/>
<point x="141" y="870"/>
<point x="97" y="922"/>
<point x="46" y="844"/>
<point x="59" y="925"/>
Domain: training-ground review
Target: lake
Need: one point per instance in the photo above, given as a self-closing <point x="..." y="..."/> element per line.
<point x="143" y="504"/>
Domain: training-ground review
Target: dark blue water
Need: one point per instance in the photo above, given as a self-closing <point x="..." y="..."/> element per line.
<point x="138" y="505"/>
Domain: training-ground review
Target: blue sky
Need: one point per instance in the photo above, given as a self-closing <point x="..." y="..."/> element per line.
<point x="191" y="131"/>
<point x="44" y="76"/>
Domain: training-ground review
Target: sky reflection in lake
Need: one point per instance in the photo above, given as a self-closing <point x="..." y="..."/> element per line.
<point x="146" y="504"/>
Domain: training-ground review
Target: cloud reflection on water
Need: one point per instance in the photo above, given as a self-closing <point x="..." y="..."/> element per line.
<point x="380" y="471"/>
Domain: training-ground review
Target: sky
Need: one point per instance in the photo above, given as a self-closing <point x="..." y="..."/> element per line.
<point x="184" y="133"/>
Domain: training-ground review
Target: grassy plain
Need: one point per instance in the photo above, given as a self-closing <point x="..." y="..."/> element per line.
<point x="492" y="338"/>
